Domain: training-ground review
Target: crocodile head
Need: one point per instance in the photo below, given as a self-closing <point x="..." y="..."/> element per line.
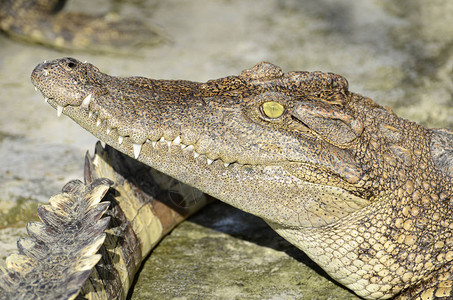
<point x="263" y="134"/>
<point x="328" y="169"/>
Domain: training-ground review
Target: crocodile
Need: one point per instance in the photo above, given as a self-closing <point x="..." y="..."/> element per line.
<point x="367" y="195"/>
<point x="57" y="260"/>
<point x="45" y="22"/>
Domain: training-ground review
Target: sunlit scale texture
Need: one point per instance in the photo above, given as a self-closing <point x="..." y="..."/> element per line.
<point x="366" y="194"/>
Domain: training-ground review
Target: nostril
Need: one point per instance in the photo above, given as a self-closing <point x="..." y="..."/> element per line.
<point x="71" y="65"/>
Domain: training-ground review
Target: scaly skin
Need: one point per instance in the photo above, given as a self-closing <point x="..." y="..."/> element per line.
<point x="58" y="260"/>
<point x="59" y="255"/>
<point x="363" y="192"/>
<point x="43" y="22"/>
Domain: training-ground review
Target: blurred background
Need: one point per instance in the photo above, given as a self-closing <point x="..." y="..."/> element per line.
<point x="399" y="53"/>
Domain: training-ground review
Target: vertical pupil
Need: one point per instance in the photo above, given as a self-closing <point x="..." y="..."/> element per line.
<point x="273" y="109"/>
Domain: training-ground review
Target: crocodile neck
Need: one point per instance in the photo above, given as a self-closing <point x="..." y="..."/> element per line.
<point x="342" y="178"/>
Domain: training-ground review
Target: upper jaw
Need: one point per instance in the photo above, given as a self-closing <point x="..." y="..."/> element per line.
<point x="101" y="124"/>
<point x="88" y="111"/>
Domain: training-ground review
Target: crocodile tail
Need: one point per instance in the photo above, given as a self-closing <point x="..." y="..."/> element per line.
<point x="57" y="257"/>
<point x="146" y="205"/>
<point x="57" y="260"/>
<point x="43" y="22"/>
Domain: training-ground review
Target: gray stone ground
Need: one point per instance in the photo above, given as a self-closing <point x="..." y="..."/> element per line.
<point x="397" y="52"/>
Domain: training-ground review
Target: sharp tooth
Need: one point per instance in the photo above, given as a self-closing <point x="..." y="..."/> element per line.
<point x="154" y="143"/>
<point x="59" y="110"/>
<point x="108" y="131"/>
<point x="226" y="164"/>
<point x="190" y="147"/>
<point x="120" y="140"/>
<point x="137" y="149"/>
<point x="36" y="89"/>
<point x="103" y="144"/>
<point x="195" y="154"/>
<point x="183" y="146"/>
<point x="86" y="101"/>
<point x="162" y="139"/>
<point x="46" y="99"/>
<point x="98" y="122"/>
<point x="177" y="140"/>
<point x="90" y="114"/>
<point x="169" y="144"/>
<point x="209" y="161"/>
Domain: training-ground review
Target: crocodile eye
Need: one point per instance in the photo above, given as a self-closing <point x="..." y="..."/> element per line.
<point x="272" y="109"/>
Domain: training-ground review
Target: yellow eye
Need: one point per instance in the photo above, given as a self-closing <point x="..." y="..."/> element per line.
<point x="273" y="109"/>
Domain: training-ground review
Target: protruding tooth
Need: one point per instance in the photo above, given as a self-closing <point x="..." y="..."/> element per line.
<point x="120" y="139"/>
<point x="98" y="122"/>
<point x="209" y="161"/>
<point x="190" y="147"/>
<point x="46" y="99"/>
<point x="36" y="89"/>
<point x="108" y="130"/>
<point x="195" y="154"/>
<point x="103" y="144"/>
<point x="59" y="110"/>
<point x="137" y="149"/>
<point x="169" y="144"/>
<point x="177" y="140"/>
<point x="154" y="143"/>
<point x="183" y="146"/>
<point x="226" y="164"/>
<point x="86" y="101"/>
<point x="162" y="139"/>
<point x="90" y="114"/>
